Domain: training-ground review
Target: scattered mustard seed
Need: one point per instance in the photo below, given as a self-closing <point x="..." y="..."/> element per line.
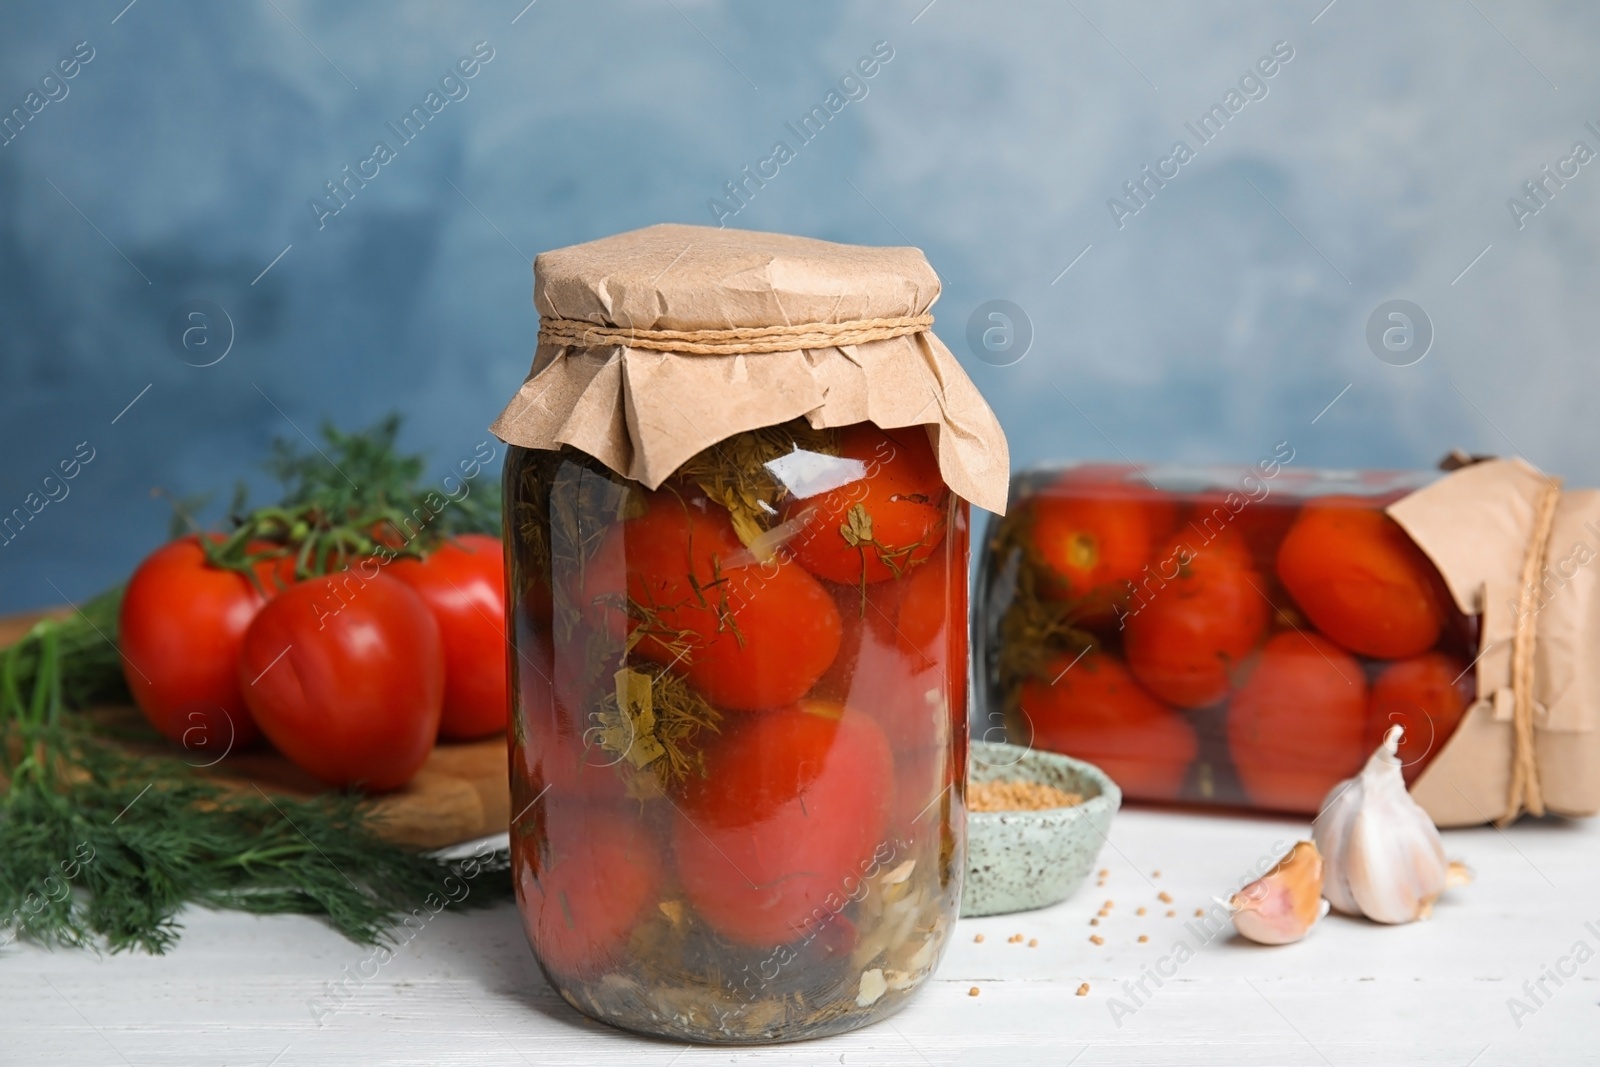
<point x="972" y="992"/>
<point x="1104" y="871"/>
<point x="1139" y="912"/>
<point x="1094" y="922"/>
<point x="1143" y="938"/>
<point x="1155" y="874"/>
<point x="1083" y="990"/>
<point x="1014" y="939"/>
<point x="1097" y="939"/>
<point x="978" y="939"/>
<point x="1164" y="896"/>
<point x="1199" y="912"/>
<point x="1033" y="942"/>
<point x="1109" y="904"/>
<point x="1018" y="796"/>
<point x="1171" y="914"/>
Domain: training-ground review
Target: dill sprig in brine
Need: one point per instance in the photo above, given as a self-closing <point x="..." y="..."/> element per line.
<point x="735" y="472"/>
<point x="1034" y="629"/>
<point x="656" y="720"/>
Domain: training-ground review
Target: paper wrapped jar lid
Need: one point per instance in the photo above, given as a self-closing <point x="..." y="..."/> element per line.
<point x="656" y="344"/>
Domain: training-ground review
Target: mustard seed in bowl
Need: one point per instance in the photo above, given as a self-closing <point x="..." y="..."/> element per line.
<point x="1018" y="796"/>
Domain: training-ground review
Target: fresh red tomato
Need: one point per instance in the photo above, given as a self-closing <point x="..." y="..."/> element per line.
<point x="180" y="629"/>
<point x="273" y="567"/>
<point x="1361" y="580"/>
<point x="1427" y="695"/>
<point x="777" y="836"/>
<point x="1093" y="545"/>
<point x="463" y="582"/>
<point x="881" y="525"/>
<point x="345" y="675"/>
<point x="748" y="635"/>
<point x="1095" y="711"/>
<point x="1296" y="727"/>
<point x="388" y="533"/>
<point x="582" y="893"/>
<point x="1184" y="639"/>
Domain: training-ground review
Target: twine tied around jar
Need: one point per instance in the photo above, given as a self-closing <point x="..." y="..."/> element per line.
<point x="736" y="340"/>
<point x="1525" y="792"/>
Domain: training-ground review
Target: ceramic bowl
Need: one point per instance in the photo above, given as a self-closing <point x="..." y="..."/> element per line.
<point x="1020" y="860"/>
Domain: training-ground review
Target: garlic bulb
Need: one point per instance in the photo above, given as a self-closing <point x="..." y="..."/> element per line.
<point x="1384" y="857"/>
<point x="1285" y="903"/>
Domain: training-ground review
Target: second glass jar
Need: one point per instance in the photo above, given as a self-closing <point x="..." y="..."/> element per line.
<point x="1219" y="635"/>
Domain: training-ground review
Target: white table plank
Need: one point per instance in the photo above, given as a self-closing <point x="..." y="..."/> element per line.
<point x="238" y="989"/>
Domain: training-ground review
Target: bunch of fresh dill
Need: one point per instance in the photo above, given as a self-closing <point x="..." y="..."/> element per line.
<point x="102" y="846"/>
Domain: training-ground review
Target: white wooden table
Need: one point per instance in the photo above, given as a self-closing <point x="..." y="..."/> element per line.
<point x="466" y="991"/>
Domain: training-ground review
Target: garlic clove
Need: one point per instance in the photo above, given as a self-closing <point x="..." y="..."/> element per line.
<point x="1384" y="857"/>
<point x="1285" y="903"/>
<point x="1332" y="825"/>
<point x="1394" y="872"/>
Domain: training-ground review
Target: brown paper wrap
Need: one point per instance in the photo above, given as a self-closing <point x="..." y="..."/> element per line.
<point x="1478" y="525"/>
<point x="643" y="411"/>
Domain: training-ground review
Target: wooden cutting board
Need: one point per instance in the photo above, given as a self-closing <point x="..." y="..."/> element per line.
<point x="462" y="792"/>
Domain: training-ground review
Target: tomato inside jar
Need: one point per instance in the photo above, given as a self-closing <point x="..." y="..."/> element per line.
<point x="739" y="729"/>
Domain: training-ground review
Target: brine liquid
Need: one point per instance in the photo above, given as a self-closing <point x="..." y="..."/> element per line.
<point x="1235" y="636"/>
<point x="736" y="783"/>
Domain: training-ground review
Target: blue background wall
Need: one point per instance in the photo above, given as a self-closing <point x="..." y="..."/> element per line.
<point x="1218" y="320"/>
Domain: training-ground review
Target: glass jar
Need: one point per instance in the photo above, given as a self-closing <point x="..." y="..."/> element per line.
<point x="1227" y="635"/>
<point x="739" y="733"/>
